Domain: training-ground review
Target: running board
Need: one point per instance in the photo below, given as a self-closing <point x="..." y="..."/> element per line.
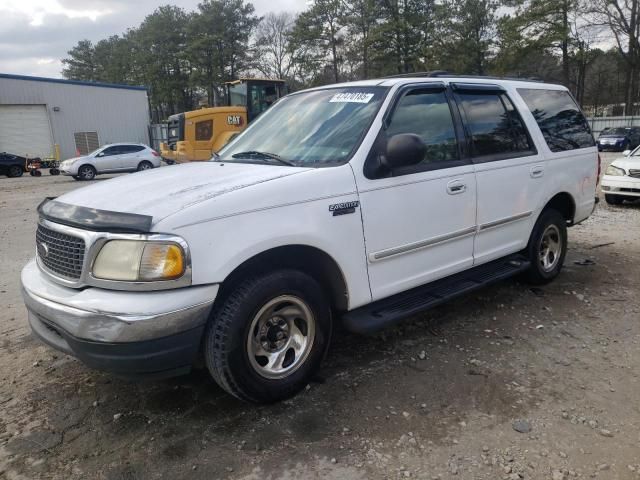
<point x="388" y="311"/>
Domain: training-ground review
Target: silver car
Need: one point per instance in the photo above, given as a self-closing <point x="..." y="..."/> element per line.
<point x="112" y="158"/>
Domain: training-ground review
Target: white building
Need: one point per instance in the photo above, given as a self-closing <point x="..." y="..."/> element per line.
<point x="40" y="115"/>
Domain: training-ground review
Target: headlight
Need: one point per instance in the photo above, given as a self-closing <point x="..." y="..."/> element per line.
<point x="611" y="170"/>
<point x="139" y="261"/>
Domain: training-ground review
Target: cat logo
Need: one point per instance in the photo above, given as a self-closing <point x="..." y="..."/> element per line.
<point x="234" y="120"/>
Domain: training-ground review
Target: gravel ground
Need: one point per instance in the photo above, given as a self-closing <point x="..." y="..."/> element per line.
<point x="511" y="382"/>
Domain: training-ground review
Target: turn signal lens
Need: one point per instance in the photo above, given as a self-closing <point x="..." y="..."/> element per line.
<point x="161" y="262"/>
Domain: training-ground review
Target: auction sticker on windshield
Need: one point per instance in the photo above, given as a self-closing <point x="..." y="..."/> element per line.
<point x="352" y="97"/>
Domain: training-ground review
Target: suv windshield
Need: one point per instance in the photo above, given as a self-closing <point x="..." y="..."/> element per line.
<point x="310" y="129"/>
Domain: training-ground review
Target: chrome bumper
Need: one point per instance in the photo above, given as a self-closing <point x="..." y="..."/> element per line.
<point x="101" y="315"/>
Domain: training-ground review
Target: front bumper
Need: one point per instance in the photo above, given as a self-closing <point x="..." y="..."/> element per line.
<point x="68" y="169"/>
<point x="612" y="147"/>
<point x="128" y="333"/>
<point x="620" y="185"/>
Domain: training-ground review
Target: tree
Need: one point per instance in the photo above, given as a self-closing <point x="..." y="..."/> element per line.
<point x="404" y="35"/>
<point x="622" y="17"/>
<point x="80" y="65"/>
<point x="543" y="25"/>
<point x="603" y="87"/>
<point x="219" y="36"/>
<point x="114" y="59"/>
<point x="468" y="30"/>
<point x="361" y="17"/>
<point x="273" y="48"/>
<point x="160" y="47"/>
<point x="318" y="32"/>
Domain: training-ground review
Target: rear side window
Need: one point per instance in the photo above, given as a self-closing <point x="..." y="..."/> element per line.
<point x="559" y="118"/>
<point x="495" y="127"/>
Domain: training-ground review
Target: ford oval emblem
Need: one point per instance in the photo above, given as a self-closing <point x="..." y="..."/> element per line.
<point x="43" y="249"/>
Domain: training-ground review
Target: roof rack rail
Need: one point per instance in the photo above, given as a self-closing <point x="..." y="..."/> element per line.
<point x="434" y="73"/>
<point x="444" y="73"/>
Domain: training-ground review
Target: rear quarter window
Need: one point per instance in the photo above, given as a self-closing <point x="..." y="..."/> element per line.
<point x="562" y="123"/>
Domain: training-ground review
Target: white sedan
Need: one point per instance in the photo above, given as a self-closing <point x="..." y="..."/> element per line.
<point x="621" y="179"/>
<point x="112" y="158"/>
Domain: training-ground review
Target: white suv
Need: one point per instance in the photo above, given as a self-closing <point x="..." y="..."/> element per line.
<point x="362" y="203"/>
<point x="112" y="158"/>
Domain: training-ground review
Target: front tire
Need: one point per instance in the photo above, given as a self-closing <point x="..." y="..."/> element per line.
<point x="15" y="171"/>
<point x="86" y="172"/>
<point x="547" y="247"/>
<point x="614" y="199"/>
<point x="268" y="335"/>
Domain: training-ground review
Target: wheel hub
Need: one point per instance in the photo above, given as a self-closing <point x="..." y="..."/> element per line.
<point x="550" y="248"/>
<point x="280" y="337"/>
<point x="274" y="334"/>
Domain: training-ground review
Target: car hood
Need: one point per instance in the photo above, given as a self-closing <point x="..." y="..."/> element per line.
<point x="627" y="163"/>
<point x="164" y="191"/>
<point x="74" y="159"/>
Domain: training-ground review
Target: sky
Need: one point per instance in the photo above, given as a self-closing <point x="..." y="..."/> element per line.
<point x="36" y="34"/>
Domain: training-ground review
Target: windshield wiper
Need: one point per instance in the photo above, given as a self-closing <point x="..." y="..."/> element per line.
<point x="263" y="155"/>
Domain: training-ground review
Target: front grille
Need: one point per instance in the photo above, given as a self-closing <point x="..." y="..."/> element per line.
<point x="61" y="253"/>
<point x="634" y="173"/>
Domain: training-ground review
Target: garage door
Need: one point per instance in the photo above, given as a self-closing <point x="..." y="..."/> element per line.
<point x="25" y="130"/>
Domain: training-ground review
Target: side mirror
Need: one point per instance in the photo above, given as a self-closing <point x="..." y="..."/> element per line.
<point x="404" y="150"/>
<point x="626" y="153"/>
<point x="101" y="154"/>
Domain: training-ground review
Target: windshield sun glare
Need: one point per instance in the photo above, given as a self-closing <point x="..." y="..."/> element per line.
<point x="310" y="129"/>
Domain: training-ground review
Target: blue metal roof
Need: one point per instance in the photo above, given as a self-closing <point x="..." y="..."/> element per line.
<point x="71" y="82"/>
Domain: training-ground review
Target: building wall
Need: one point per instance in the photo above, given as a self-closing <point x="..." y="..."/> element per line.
<point x="600" y="123"/>
<point x="118" y="114"/>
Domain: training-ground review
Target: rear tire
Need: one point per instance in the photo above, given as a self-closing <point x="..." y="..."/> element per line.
<point x="15" y="171"/>
<point x="547" y="247"/>
<point x="145" y="165"/>
<point x="268" y="336"/>
<point x="614" y="199"/>
<point x="86" y="172"/>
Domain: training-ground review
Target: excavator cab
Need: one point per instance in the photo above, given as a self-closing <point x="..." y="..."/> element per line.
<point x="196" y="135"/>
<point x="255" y="94"/>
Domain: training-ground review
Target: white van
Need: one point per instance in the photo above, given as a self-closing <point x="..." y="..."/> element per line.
<point x="362" y="203"/>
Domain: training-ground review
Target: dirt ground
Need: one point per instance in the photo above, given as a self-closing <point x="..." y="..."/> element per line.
<point x="511" y="382"/>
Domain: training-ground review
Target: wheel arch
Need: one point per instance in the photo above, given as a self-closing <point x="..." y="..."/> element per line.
<point x="88" y="165"/>
<point x="564" y="203"/>
<point x="308" y="259"/>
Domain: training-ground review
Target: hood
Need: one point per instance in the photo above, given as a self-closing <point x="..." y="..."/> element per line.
<point x="161" y="192"/>
<point x="627" y="163"/>
<point x="74" y="159"/>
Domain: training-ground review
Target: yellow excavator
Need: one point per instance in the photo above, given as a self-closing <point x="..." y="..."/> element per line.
<point x="196" y="135"/>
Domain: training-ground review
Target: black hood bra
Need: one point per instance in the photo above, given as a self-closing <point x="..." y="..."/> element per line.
<point x="94" y="219"/>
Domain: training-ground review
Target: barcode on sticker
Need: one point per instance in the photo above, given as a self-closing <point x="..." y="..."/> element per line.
<point x="354" y="97"/>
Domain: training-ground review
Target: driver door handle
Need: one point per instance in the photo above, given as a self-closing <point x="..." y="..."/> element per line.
<point x="455" y="187"/>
